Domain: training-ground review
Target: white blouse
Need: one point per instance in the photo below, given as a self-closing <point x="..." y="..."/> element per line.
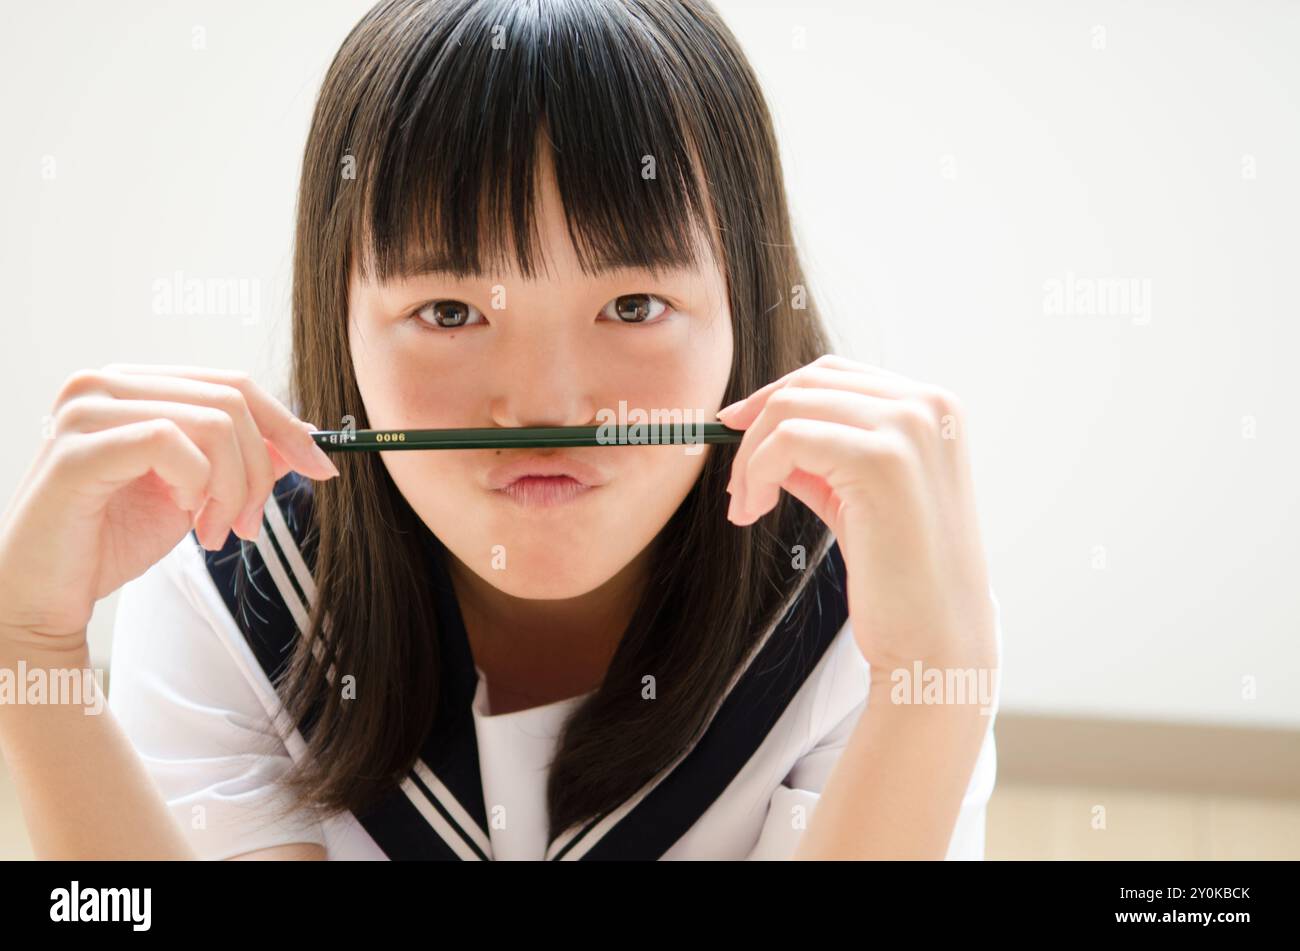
<point x="191" y="696"/>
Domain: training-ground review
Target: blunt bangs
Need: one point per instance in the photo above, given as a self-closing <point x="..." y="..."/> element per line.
<point x="447" y="142"/>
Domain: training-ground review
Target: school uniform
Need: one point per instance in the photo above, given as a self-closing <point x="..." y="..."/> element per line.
<point x="192" y="672"/>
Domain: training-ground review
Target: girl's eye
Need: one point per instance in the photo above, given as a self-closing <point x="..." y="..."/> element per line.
<point x="447" y="313"/>
<point x="635" y="308"/>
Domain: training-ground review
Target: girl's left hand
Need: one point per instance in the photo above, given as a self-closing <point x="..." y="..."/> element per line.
<point x="882" y="460"/>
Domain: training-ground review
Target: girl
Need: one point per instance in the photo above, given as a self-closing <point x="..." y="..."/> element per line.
<point x="515" y="215"/>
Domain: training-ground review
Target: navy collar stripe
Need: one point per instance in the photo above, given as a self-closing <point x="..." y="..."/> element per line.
<point x="741" y="723"/>
<point x="438" y="811"/>
<point x="402" y="832"/>
<point x="447" y="818"/>
<point x="260" y="594"/>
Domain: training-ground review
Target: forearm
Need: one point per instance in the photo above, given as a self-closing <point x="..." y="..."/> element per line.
<point x="83" y="789"/>
<point x="896" y="790"/>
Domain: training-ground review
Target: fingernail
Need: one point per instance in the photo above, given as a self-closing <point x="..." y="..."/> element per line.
<point x="731" y="509"/>
<point x="216" y="535"/>
<point x="320" y="456"/>
<point x="728" y="409"/>
<point x="250" y="523"/>
<point x="203" y="525"/>
<point x="317" y="452"/>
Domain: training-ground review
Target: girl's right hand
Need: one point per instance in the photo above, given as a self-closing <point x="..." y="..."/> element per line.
<point x="137" y="456"/>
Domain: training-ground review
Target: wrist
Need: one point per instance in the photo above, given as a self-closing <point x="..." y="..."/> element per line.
<point x="39" y="651"/>
<point x="41" y="685"/>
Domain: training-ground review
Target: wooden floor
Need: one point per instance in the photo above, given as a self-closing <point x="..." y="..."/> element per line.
<point x="1048" y="822"/>
<point x="1072" y="822"/>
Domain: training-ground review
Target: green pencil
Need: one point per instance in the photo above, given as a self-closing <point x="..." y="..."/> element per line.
<point x="525" y="437"/>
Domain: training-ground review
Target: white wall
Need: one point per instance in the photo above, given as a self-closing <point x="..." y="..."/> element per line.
<point x="945" y="165"/>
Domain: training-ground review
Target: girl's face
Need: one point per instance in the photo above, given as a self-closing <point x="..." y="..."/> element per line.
<point x="554" y="350"/>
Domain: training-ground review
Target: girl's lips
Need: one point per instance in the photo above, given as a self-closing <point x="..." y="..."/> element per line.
<point x="546" y="491"/>
<point x="544" y="464"/>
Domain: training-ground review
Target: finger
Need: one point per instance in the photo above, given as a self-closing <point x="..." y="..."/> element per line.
<point x="290" y="434"/>
<point x="841" y="362"/>
<point x="260" y="420"/>
<point x="279" y="465"/>
<point x="814" y="492"/>
<point x="107" y="459"/>
<point x="210" y="429"/>
<point x="825" y="379"/>
<point x="148" y="389"/>
<point x="741" y="413"/>
<point x="839" y="406"/>
<point x="832" y="451"/>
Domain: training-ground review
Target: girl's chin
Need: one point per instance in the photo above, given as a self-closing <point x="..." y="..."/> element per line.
<point x="533" y="582"/>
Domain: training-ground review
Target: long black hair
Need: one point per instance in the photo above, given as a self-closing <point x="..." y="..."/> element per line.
<point x="424" y="140"/>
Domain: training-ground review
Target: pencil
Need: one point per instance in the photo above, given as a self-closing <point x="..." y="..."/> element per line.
<point x="525" y="437"/>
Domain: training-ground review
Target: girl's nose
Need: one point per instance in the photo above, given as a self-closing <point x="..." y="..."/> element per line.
<point x="557" y="403"/>
<point x="541" y="381"/>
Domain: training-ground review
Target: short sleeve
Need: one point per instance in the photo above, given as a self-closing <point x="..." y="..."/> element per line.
<point x="197" y="723"/>
<point x="795" y="799"/>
